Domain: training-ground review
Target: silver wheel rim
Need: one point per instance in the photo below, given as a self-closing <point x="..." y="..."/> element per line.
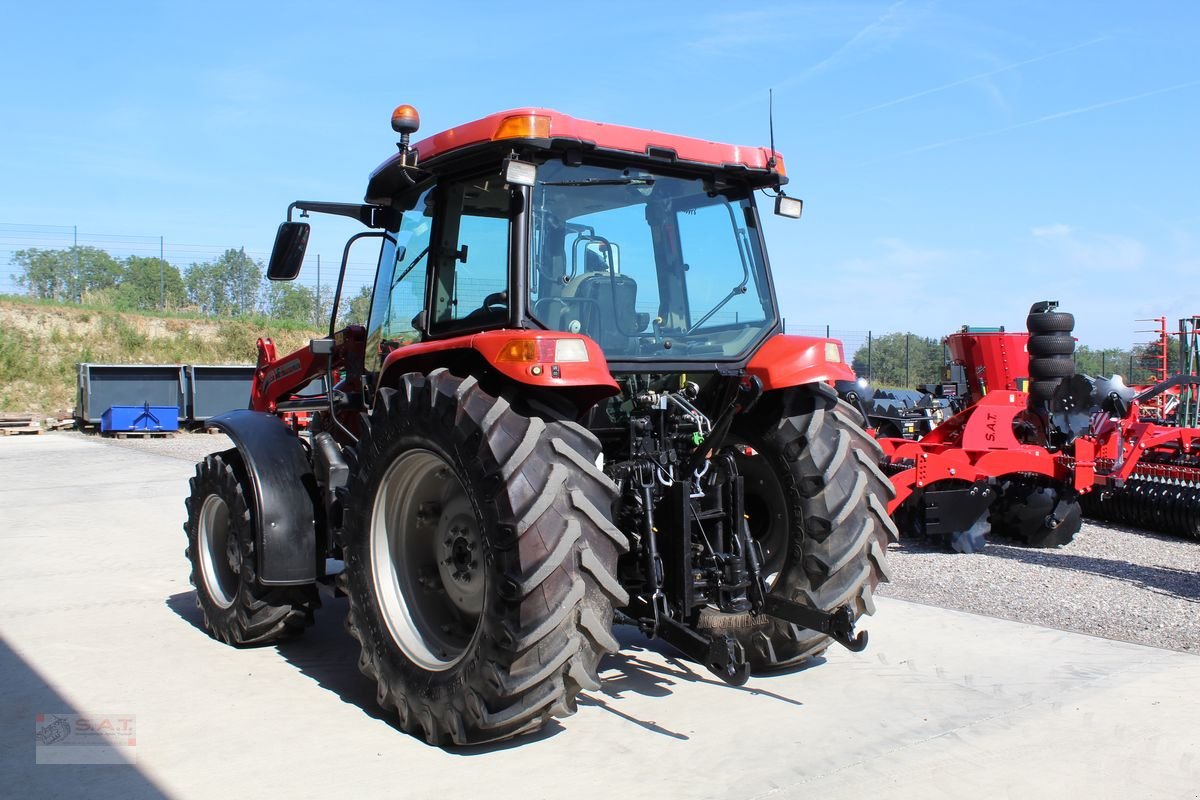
<point x="220" y="560"/>
<point x="427" y="560"/>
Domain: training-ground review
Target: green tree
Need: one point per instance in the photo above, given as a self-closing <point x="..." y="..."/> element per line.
<point x="291" y="301"/>
<point x="1101" y="363"/>
<point x="150" y="283"/>
<point x="66" y="274"/>
<point x="227" y="286"/>
<point x="357" y="309"/>
<point x="900" y="360"/>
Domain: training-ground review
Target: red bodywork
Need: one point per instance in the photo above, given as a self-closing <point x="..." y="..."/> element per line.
<point x="785" y="360"/>
<point x="546" y="124"/>
<point x="979" y="444"/>
<point x="544" y="127"/>
<point x="992" y="360"/>
<point x="781" y="362"/>
<point x="585" y="382"/>
<point x="1132" y="447"/>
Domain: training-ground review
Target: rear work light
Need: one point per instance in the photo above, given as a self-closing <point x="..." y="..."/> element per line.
<point x="790" y="207"/>
<point x="560" y="351"/>
<point x="520" y="173"/>
<point x="523" y="126"/>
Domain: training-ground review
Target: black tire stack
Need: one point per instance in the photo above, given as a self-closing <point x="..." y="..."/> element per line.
<point x="1051" y="349"/>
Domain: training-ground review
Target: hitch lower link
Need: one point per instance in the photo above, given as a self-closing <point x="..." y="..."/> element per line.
<point x="725" y="657"/>
<point x="837" y="624"/>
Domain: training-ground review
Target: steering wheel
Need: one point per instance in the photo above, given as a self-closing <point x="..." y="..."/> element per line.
<point x="495" y="299"/>
<point x="493" y="310"/>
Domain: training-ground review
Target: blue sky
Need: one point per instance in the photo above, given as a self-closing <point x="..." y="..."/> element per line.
<point x="958" y="161"/>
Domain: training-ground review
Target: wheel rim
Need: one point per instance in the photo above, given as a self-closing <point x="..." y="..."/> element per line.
<point x="220" y="560"/>
<point x="427" y="560"/>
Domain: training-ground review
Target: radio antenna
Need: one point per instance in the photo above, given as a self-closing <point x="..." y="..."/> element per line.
<point x="771" y="125"/>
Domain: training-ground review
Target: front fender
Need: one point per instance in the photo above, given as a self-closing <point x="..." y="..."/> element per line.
<point x="285" y="538"/>
<point x="785" y="361"/>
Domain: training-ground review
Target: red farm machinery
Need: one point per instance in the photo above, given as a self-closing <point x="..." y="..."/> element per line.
<point x="1148" y="449"/>
<point x="571" y="402"/>
<point x="1038" y="445"/>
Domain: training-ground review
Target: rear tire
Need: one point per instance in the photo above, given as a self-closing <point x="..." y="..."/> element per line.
<point x="817" y="503"/>
<point x="220" y="533"/>
<point x="480" y="559"/>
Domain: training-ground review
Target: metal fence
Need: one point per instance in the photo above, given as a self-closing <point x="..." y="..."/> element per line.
<point x="319" y="272"/>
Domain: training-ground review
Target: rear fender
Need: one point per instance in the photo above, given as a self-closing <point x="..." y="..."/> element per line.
<point x="584" y="382"/>
<point x="284" y="486"/>
<point x="785" y="361"/>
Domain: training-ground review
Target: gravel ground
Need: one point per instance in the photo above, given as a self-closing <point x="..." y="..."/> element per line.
<point x="1111" y="581"/>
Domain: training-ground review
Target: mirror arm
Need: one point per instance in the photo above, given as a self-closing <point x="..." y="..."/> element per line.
<point x="370" y="215"/>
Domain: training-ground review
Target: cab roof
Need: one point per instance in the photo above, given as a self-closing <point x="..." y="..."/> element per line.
<point x="551" y="129"/>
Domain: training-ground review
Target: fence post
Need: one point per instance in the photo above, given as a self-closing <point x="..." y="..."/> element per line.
<point x="907" y="360"/>
<point x="870" y="361"/>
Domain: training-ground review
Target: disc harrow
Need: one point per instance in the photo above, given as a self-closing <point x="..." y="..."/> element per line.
<point x="1160" y="496"/>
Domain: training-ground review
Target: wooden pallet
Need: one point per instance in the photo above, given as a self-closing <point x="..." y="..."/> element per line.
<point x="141" y="434"/>
<point x="14" y="426"/>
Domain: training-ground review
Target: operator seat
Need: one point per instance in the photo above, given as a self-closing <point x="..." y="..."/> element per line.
<point x="602" y="305"/>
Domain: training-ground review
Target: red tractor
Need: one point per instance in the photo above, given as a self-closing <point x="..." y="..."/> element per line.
<point x="572" y="400"/>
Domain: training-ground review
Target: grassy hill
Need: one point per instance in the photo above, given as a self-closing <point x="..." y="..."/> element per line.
<point x="41" y="342"/>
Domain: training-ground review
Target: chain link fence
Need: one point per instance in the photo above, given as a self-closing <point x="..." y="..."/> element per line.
<point x="319" y="273"/>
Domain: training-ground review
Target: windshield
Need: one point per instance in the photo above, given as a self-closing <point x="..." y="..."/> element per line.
<point x="652" y="267"/>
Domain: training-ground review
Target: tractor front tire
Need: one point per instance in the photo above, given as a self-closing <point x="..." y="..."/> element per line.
<point x="220" y="535"/>
<point x="817" y="504"/>
<point x="480" y="559"/>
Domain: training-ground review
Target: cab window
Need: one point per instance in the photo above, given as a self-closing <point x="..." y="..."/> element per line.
<point x="400" y="282"/>
<point x="470" y="283"/>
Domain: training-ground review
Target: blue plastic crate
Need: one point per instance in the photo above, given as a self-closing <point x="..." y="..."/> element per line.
<point x="140" y="418"/>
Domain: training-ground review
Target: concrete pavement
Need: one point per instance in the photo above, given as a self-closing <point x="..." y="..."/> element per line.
<point x="97" y="617"/>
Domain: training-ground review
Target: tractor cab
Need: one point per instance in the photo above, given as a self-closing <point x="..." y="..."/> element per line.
<point x="647" y="244"/>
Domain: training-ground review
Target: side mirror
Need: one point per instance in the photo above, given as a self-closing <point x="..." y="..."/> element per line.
<point x="791" y="207"/>
<point x="288" y="253"/>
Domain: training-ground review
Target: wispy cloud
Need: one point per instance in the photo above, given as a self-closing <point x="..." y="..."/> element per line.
<point x="1094" y="252"/>
<point x="893" y="23"/>
<point x="1041" y="120"/>
<point x="745" y="29"/>
<point x="975" y="78"/>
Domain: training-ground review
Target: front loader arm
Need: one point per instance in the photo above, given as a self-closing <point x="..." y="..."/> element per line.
<point x="277" y="379"/>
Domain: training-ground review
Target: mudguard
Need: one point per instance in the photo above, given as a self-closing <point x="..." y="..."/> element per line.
<point x="785" y="361"/>
<point x="285" y="537"/>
